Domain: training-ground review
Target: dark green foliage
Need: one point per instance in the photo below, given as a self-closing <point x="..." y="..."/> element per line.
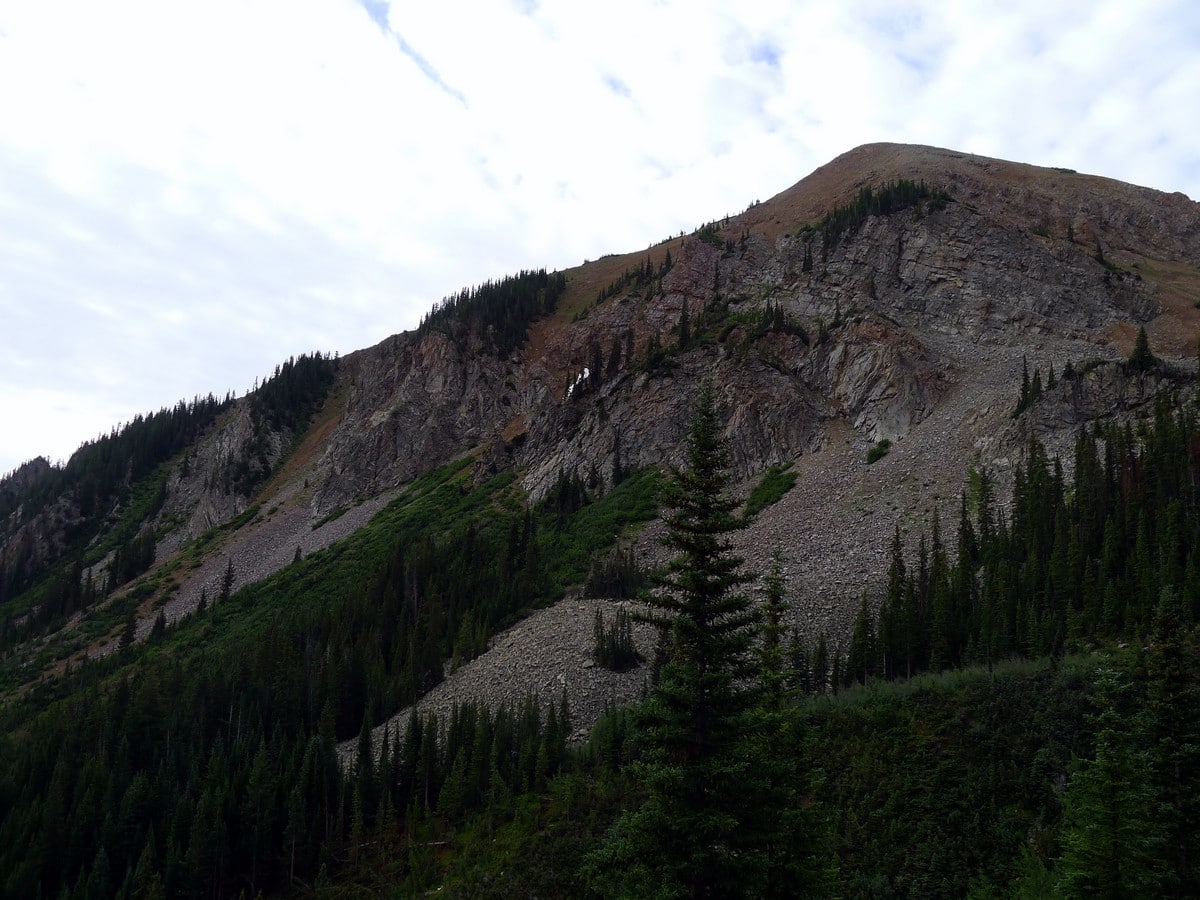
<point x="498" y="312"/>
<point x="612" y="644"/>
<point x="129" y="631"/>
<point x="775" y="482"/>
<point x="215" y="747"/>
<point x="844" y="221"/>
<point x="131" y="559"/>
<point x="657" y="358"/>
<point x="1141" y="359"/>
<point x="1031" y="390"/>
<point x="79" y="581"/>
<point x="936" y="785"/>
<point x="878" y="451"/>
<point x="945" y="787"/>
<point x="612" y="368"/>
<point x="644" y="277"/>
<point x="117" y="473"/>
<point x="1173" y="732"/>
<point x="288" y="399"/>
<point x="774" y="673"/>
<point x="1077" y="562"/>
<point x="863" y="659"/>
<point x="159" y="630"/>
<point x="285" y="403"/>
<point x="707" y="826"/>
<point x="568" y="495"/>
<point x="710" y="233"/>
<point x="773" y="319"/>
<point x="615" y="575"/>
<point x="569" y="551"/>
<point x="100" y="469"/>
<point x="227" y="580"/>
<point x="1113" y="832"/>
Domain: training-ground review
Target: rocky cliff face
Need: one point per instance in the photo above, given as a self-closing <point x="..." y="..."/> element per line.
<point x="1019" y="254"/>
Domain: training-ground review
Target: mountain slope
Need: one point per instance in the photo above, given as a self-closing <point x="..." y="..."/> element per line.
<point x="911" y="325"/>
<point x="201" y="607"/>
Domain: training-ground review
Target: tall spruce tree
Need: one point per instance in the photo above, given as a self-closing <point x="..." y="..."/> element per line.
<point x="1141" y="359"/>
<point x="702" y="831"/>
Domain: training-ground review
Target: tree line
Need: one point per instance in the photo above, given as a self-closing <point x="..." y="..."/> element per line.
<point x="1076" y="561"/>
<point x="843" y="221"/>
<point x="498" y="312"/>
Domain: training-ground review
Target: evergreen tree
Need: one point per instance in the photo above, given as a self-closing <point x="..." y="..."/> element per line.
<point x="701" y="831"/>
<point x="792" y="838"/>
<point x="160" y="626"/>
<point x="613" y="367"/>
<point x="1141" y="359"/>
<point x="861" y="663"/>
<point x="1024" y="398"/>
<point x="820" y="666"/>
<point x="129" y="632"/>
<point x="771" y="654"/>
<point x="227" y="581"/>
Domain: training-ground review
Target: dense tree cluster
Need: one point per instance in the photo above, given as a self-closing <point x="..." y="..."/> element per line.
<point x="612" y="642"/>
<point x="98" y="476"/>
<point x="131" y="558"/>
<point x="212" y="767"/>
<point x="644" y="274"/>
<point x="843" y="222"/>
<point x="615" y="575"/>
<point x="1076" y="561"/>
<point x="99" y="470"/>
<point x="499" y="312"/>
<point x="191" y="783"/>
<point x="124" y="476"/>
<point x="282" y="405"/>
<point x="288" y="399"/>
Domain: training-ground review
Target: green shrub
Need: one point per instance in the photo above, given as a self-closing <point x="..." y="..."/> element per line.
<point x="879" y="451"/>
<point x="776" y="482"/>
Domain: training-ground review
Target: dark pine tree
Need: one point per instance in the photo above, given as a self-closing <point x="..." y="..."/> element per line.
<point x="705" y="829"/>
<point x="1141" y="359"/>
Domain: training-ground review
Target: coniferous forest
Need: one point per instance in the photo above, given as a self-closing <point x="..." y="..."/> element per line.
<point x="499" y="312"/>
<point x="123" y="477"/>
<point x="1015" y="715"/>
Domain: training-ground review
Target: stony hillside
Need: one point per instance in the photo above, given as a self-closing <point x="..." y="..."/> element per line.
<point x="911" y="325"/>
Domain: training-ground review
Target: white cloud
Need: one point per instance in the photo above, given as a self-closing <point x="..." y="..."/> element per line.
<point x="191" y="192"/>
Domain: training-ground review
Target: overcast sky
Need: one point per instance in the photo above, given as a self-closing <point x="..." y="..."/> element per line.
<point x="190" y="192"/>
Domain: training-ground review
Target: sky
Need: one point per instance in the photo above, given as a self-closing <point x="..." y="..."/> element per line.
<point x="192" y="192"/>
